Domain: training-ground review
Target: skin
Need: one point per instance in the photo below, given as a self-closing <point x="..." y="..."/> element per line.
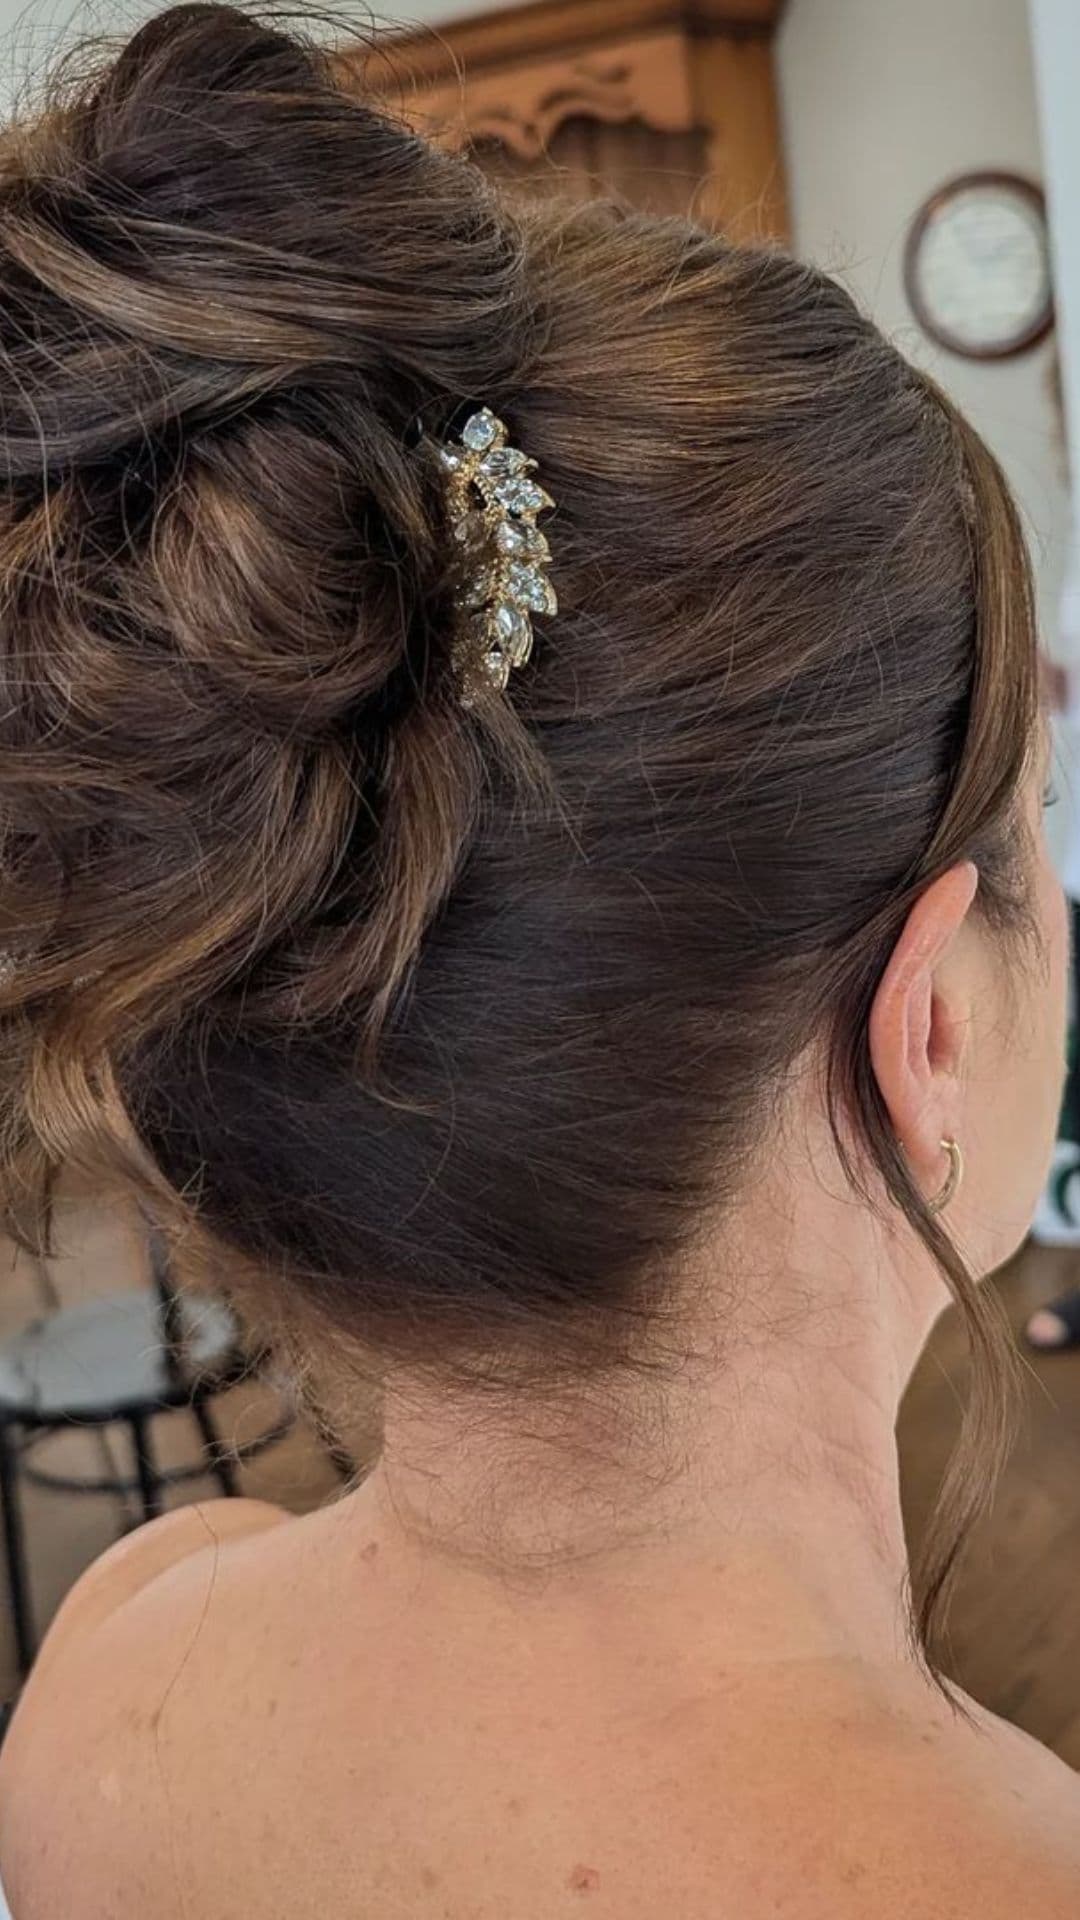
<point x="650" y="1658"/>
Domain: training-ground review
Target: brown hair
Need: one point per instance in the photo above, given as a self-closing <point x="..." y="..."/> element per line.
<point x="465" y="1054"/>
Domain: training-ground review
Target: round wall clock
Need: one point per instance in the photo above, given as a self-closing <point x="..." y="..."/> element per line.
<point x="977" y="266"/>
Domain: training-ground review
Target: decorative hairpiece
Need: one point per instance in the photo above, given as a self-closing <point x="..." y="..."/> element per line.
<point x="492" y="505"/>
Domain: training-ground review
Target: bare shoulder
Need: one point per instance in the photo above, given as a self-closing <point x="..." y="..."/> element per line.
<point x="979" y="1841"/>
<point x="934" y="1812"/>
<point x="839" y="1803"/>
<point x="139" y="1558"/>
<point x="928" y="1863"/>
<point x="80" y="1769"/>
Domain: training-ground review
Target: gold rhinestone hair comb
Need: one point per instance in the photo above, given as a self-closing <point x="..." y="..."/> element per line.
<point x="492" y="503"/>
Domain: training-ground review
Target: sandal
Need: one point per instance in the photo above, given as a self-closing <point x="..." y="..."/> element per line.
<point x="1066" y="1311"/>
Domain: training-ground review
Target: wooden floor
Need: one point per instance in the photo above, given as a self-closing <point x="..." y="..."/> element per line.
<point x="1015" y="1625"/>
<point x="1016" y="1621"/>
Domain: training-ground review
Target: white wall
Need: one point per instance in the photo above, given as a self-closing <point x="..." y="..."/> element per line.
<point x="31" y="31"/>
<point x="1056" y="36"/>
<point x="883" y="102"/>
<point x="36" y="25"/>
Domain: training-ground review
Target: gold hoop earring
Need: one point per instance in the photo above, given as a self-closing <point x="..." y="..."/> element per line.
<point x="952" y="1179"/>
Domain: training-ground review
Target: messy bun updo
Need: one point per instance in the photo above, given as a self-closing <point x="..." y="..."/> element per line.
<point x="229" y="294"/>
<point x="454" y="1024"/>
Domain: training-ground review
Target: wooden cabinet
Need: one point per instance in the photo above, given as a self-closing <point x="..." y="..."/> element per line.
<point x="670" y="102"/>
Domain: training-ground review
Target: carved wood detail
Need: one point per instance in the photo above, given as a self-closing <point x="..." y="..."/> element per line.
<point x="523" y="107"/>
<point x="518" y="83"/>
<point x="550" y="29"/>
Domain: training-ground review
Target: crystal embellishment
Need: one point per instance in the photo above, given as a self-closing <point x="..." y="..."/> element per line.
<point x="514" y="630"/>
<point x="519" y="495"/>
<point x="491" y="507"/>
<point x="497" y="667"/>
<point x="524" y="542"/>
<point x="481" y="430"/>
<point x="532" y="588"/>
<point x="505" y="460"/>
<point x="510" y="538"/>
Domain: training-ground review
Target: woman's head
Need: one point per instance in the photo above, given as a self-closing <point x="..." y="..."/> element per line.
<point x="469" y="1022"/>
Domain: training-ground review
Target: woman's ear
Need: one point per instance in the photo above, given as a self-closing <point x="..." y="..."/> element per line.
<point x="919" y="1022"/>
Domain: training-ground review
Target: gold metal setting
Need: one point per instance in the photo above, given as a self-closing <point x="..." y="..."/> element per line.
<point x="492" y="502"/>
<point x="952" y="1179"/>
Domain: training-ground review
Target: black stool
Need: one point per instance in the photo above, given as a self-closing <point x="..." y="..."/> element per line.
<point x="119" y="1359"/>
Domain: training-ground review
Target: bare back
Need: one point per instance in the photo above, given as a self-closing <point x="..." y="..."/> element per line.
<point x="285" y="1723"/>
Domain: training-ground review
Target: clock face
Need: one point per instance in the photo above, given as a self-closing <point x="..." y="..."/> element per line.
<point x="978" y="267"/>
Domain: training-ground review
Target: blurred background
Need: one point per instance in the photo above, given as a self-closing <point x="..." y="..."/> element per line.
<point x="925" y="152"/>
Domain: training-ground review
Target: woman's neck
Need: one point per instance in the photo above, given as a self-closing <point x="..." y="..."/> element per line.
<point x="760" y="1478"/>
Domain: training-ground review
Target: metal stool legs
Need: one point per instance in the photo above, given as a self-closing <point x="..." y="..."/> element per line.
<point x="15" y="1550"/>
<point x="152" y="1482"/>
<point x="219" y="1459"/>
<point x="151" y="1485"/>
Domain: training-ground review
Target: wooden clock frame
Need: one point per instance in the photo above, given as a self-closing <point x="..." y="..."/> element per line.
<point x="1029" y="336"/>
